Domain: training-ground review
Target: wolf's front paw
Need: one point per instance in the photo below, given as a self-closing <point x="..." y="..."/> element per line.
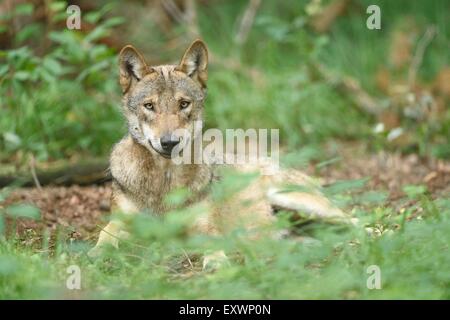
<point x="215" y="261"/>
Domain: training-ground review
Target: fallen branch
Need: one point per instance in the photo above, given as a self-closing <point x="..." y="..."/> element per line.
<point x="84" y="173"/>
<point x="418" y="56"/>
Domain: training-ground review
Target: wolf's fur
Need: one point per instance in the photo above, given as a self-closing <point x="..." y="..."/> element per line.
<point x="143" y="174"/>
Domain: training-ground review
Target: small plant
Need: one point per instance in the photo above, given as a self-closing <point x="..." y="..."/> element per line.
<point x="62" y="102"/>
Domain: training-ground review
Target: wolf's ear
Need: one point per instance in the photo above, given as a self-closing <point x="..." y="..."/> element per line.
<point x="195" y="62"/>
<point x="132" y="67"/>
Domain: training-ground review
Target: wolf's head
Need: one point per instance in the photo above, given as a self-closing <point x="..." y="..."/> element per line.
<point x="162" y="102"/>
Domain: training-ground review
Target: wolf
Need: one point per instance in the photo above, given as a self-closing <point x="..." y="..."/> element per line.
<point x="157" y="102"/>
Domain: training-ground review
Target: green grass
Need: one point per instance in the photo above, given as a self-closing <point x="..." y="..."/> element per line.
<point x="372" y="47"/>
<point x="413" y="259"/>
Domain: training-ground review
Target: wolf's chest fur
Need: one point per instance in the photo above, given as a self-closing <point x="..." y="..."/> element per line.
<point x="146" y="180"/>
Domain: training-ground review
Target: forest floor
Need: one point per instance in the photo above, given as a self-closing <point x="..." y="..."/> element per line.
<point x="82" y="210"/>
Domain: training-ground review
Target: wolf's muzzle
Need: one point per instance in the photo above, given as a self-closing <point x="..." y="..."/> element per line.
<point x="168" y="142"/>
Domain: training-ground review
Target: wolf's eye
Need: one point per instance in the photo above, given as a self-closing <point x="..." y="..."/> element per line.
<point x="184" y="104"/>
<point x="148" y="105"/>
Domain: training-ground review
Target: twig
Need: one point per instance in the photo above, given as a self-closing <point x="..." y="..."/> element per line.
<point x="191" y="18"/>
<point x="33" y="173"/>
<point x="189" y="259"/>
<point x="247" y="21"/>
<point x="351" y="87"/>
<point x="188" y="17"/>
<point x="173" y="10"/>
<point x="418" y="56"/>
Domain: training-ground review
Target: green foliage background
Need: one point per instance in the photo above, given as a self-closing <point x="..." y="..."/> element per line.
<point x="64" y="103"/>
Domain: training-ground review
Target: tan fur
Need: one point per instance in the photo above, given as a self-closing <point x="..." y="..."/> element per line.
<point x="142" y="176"/>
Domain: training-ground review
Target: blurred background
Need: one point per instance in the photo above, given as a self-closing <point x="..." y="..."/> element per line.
<point x="310" y="68"/>
<point x="365" y="110"/>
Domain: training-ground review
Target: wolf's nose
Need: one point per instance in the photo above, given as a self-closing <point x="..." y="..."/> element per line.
<point x="168" y="142"/>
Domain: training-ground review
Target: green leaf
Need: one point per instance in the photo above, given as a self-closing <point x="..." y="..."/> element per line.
<point x="414" y="191"/>
<point x="232" y="182"/>
<point x="12" y="139"/>
<point x="97" y="33"/>
<point x="27" y="32"/>
<point x="345" y="185"/>
<point x="4" y="193"/>
<point x="93" y="17"/>
<point x="3" y="69"/>
<point x="177" y="197"/>
<point x="114" y="21"/>
<point x="52" y="65"/>
<point x="373" y="197"/>
<point x="24" y="9"/>
<point x="58" y="6"/>
<point x="23" y="211"/>
<point x="8" y="265"/>
<point x="22" y="75"/>
<point x="93" y="69"/>
<point x="328" y="162"/>
<point x="2" y="225"/>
